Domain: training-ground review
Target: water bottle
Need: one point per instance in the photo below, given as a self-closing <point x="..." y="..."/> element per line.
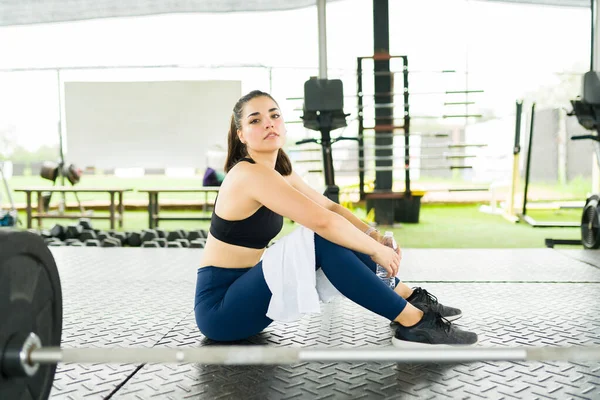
<point x="388" y="240"/>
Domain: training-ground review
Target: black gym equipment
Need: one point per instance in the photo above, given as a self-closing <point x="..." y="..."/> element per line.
<point x="324" y="107"/>
<point x="30" y="301"/>
<point x="83" y="234"/>
<point x="590" y="236"/>
<point x="587" y="111"/>
<point x="54" y="170"/>
<point x="324" y="111"/>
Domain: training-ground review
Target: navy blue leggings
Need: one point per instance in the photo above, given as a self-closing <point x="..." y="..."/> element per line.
<point x="231" y="303"/>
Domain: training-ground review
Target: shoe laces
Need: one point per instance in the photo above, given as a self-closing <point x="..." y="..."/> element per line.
<point x="429" y="298"/>
<point x="442" y="323"/>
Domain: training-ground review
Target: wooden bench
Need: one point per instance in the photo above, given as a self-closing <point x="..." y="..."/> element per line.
<point x="154" y="205"/>
<point x="116" y="211"/>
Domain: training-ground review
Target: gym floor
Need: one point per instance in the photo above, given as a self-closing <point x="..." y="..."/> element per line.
<point x="144" y="297"/>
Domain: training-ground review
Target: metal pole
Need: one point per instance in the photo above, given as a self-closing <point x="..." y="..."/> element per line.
<point x="528" y="163"/>
<point x="321" y="5"/>
<point x="407" y="190"/>
<point x="595" y="32"/>
<point x="245" y="355"/>
<point x="595" y="66"/>
<point x="515" y="168"/>
<point x="361" y="141"/>
<point x="60" y="138"/>
<point x="63" y="204"/>
<point x="326" y="150"/>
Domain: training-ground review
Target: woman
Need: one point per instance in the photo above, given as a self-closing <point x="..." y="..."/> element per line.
<point x="232" y="296"/>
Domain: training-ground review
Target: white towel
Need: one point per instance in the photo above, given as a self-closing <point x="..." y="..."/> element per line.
<point x="289" y="270"/>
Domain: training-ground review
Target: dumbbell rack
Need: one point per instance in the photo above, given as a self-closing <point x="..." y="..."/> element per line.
<point x="384" y="121"/>
<point x="82" y="234"/>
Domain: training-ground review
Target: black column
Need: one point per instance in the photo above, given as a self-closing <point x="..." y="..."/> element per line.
<point x="383" y="89"/>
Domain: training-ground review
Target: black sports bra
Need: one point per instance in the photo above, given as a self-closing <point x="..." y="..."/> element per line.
<point x="255" y="232"/>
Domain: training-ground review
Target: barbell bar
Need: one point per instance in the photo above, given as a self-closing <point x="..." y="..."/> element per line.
<point x="30" y="354"/>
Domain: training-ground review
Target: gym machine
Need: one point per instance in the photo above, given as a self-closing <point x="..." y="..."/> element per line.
<point x="324" y="111"/>
<point x="324" y="107"/>
<point x="587" y="110"/>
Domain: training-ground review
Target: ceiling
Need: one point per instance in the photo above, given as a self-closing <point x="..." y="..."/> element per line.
<point x="27" y="12"/>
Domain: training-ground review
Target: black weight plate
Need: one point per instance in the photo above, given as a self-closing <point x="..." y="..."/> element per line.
<point x="30" y="301"/>
<point x="590" y="229"/>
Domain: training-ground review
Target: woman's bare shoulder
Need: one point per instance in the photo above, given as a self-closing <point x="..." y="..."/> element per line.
<point x="246" y="171"/>
<point x="239" y="177"/>
<point x="235" y="199"/>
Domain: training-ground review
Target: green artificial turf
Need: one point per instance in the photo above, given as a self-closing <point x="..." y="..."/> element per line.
<point x="440" y="226"/>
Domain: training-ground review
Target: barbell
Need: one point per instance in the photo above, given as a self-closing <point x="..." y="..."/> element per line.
<point x="31" y="327"/>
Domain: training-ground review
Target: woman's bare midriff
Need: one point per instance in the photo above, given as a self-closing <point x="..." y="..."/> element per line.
<point x="224" y="255"/>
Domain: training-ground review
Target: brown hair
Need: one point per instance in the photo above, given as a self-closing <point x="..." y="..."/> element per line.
<point x="236" y="150"/>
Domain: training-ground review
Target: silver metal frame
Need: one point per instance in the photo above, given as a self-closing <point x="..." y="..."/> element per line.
<point x="252" y="355"/>
<point x="322" y="20"/>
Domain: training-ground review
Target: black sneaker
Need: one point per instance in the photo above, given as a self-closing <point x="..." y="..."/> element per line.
<point x="432" y="329"/>
<point x="425" y="301"/>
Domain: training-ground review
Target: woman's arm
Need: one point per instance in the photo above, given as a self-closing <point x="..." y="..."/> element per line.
<point x="269" y="188"/>
<point x="298" y="183"/>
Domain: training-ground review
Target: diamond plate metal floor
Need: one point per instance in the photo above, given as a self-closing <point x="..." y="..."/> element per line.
<point x="144" y="297"/>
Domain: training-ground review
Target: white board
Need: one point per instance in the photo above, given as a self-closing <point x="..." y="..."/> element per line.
<point x="166" y="124"/>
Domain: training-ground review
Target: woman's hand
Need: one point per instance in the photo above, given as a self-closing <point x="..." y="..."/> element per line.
<point x="388" y="258"/>
<point x="379" y="237"/>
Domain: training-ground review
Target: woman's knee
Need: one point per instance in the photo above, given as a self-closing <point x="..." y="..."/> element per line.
<point x="327" y="251"/>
